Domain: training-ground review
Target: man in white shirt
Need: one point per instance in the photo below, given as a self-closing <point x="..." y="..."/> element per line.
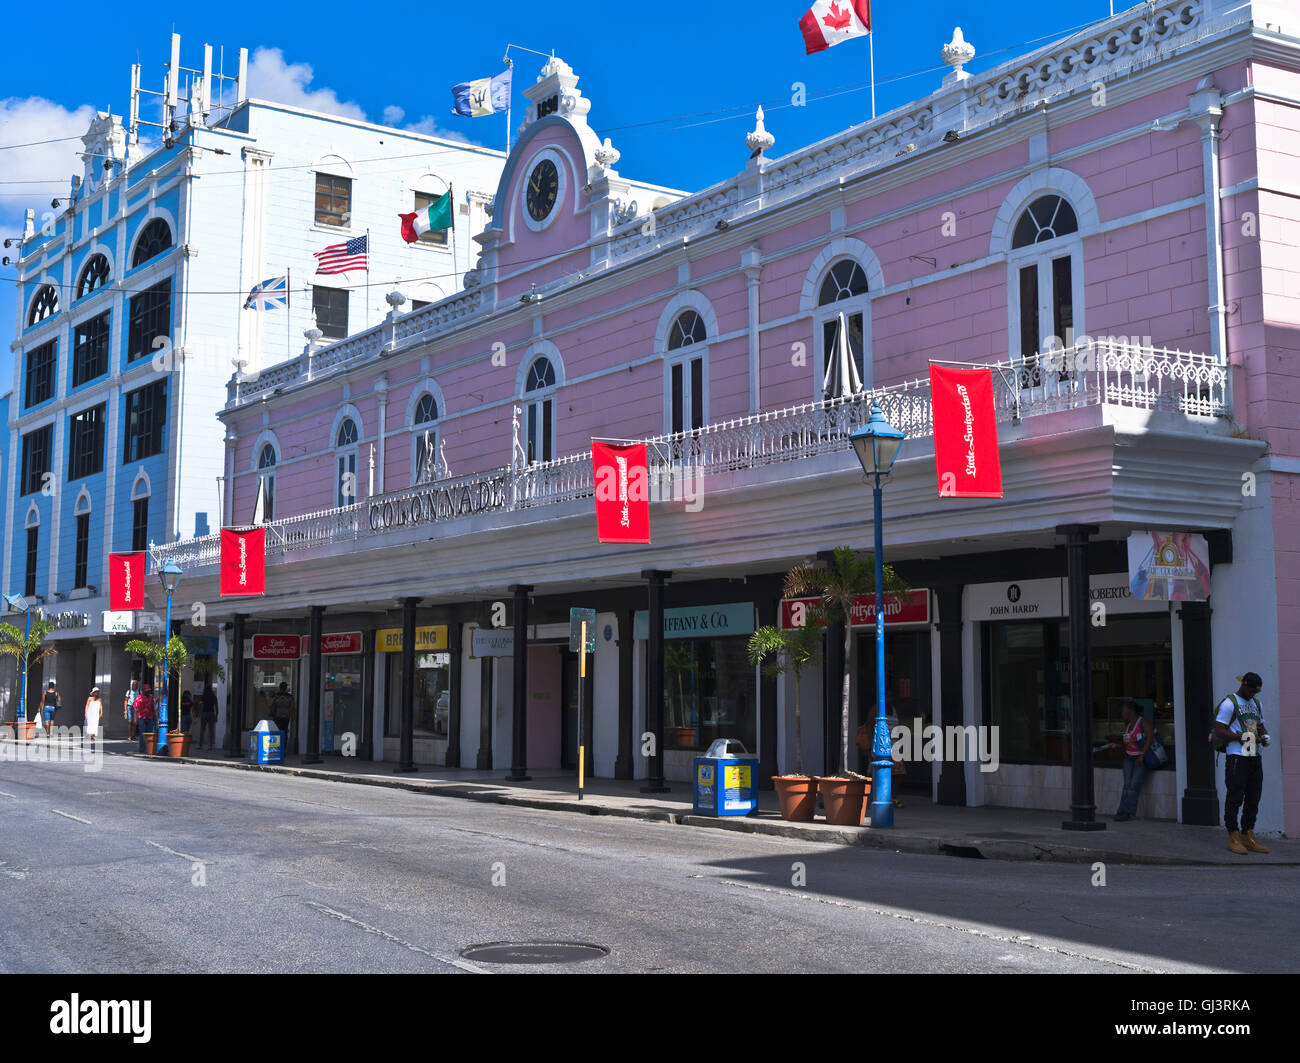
<point x="1239" y="723"/>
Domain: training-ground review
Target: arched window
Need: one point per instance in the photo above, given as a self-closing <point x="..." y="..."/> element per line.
<point x="266" y="471"/>
<point x="687" y="373"/>
<point x="843" y="291"/>
<point x="539" y="411"/>
<point x="1046" y="261"/>
<point x="46" y="304"/>
<point x="155" y="238"/>
<point x="345" y="444"/>
<point x="94" y="276"/>
<point x="424" y="456"/>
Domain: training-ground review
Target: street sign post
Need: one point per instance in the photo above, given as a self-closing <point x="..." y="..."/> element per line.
<point x="582" y="641"/>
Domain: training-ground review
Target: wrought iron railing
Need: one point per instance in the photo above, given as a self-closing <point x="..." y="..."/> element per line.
<point x="1093" y="373"/>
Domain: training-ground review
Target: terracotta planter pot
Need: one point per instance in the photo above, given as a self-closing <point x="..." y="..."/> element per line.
<point x="845" y="800"/>
<point x="178" y="744"/>
<point x="798" y="794"/>
<point x="150" y="743"/>
<point x="25" y="732"/>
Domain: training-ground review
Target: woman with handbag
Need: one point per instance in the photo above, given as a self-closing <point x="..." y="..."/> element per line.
<point x="1138" y="736"/>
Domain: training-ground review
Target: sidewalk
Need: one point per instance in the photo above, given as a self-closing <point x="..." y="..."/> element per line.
<point x="919" y="827"/>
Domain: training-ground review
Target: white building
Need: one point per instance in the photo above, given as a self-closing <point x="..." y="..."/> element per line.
<point x="130" y="318"/>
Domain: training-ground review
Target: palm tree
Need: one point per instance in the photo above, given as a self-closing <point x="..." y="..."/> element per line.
<point x="793" y="650"/>
<point x="175" y="653"/>
<point x="27" y="650"/>
<point x="850" y="576"/>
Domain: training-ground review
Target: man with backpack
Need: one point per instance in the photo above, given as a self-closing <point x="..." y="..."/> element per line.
<point x="1239" y="731"/>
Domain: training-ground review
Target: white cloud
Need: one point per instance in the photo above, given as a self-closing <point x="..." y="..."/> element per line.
<point x="24" y="120"/>
<point x="393" y="115"/>
<point x="271" y="78"/>
<point x="429" y="127"/>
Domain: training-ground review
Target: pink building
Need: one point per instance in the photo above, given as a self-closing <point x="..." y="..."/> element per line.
<point x="1123" y="194"/>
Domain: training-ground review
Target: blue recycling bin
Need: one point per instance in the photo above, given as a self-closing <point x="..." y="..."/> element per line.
<point x="266" y="744"/>
<point x="726" y="780"/>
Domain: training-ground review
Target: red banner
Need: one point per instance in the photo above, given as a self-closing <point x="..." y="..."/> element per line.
<point x="277" y="647"/>
<point x="965" y="433"/>
<point x="243" y="562"/>
<point x="622" y="479"/>
<point x="910" y="608"/>
<point x="126" y="581"/>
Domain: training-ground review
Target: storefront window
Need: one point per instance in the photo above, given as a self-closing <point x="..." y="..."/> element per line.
<point x="1027" y="685"/>
<point x="432" y="695"/>
<point x="709" y="693"/>
<point x="340" y="699"/>
<point x="264" y="679"/>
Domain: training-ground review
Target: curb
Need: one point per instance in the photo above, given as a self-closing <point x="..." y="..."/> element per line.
<point x="925" y="845"/>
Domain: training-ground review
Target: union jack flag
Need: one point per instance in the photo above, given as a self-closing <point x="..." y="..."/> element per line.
<point x="269" y="295"/>
<point x="339" y="258"/>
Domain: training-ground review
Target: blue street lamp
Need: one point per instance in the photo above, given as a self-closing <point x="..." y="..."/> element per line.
<point x="171" y="578"/>
<point x="19" y="605"/>
<point x="877" y="444"/>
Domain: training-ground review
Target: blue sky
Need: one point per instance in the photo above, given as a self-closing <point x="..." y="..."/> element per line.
<point x="675" y="90"/>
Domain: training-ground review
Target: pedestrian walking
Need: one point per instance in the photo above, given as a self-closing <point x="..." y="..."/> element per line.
<point x="208" y="715"/>
<point x="282" y="712"/>
<point x="1239" y="731"/>
<point x="187" y="711"/>
<point x="128" y="707"/>
<point x="49" y="706"/>
<point x="94" y="712"/>
<point x="1135" y="743"/>
<point x="144" y="714"/>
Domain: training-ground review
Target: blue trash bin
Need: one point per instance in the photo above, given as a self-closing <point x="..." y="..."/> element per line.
<point x="266" y="744"/>
<point x="726" y="780"/>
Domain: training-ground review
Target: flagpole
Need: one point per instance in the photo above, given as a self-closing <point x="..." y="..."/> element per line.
<point x="510" y="66"/>
<point x="366" y="286"/>
<point x="871" y="52"/>
<point x="288" y="304"/>
<point x="451" y="208"/>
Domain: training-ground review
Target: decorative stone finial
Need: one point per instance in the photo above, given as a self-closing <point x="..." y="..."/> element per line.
<point x="760" y="139"/>
<point x="395" y="299"/>
<point x="607" y="155"/>
<point x="957" y="53"/>
<point x="313" y="334"/>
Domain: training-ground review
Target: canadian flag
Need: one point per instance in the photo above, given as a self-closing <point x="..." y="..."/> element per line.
<point x="829" y="22"/>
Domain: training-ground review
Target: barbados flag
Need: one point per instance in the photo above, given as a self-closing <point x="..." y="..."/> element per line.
<point x="482" y="96"/>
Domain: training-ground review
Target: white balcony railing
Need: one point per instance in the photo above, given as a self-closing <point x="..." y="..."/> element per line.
<point x="1090" y="374"/>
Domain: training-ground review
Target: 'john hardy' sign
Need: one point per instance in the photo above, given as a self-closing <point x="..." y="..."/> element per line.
<point x="434" y="503"/>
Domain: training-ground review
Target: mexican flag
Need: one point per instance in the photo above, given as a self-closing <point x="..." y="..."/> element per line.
<point x="828" y="22"/>
<point x="437" y="215"/>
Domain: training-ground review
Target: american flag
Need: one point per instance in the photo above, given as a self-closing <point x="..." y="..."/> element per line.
<point x="339" y="258"/>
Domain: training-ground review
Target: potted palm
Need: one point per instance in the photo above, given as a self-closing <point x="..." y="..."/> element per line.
<point x="779" y="651"/>
<point x="849" y="576"/>
<point x="29" y="649"/>
<point x="175" y="655"/>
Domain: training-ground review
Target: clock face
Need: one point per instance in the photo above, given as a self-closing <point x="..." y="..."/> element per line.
<point x="543" y="187"/>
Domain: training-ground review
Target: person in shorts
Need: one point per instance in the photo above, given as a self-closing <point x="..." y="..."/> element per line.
<point x="49" y="706"/>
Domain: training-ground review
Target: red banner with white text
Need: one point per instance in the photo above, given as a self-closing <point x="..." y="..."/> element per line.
<point x="965" y="433"/>
<point x="126" y="581"/>
<point x="622" y="478"/>
<point x="243" y="562"/>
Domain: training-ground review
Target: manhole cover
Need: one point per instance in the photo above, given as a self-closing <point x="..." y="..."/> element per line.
<point x="534" y="952"/>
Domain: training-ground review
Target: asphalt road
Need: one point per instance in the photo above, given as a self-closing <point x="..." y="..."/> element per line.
<point x="167" y="867"/>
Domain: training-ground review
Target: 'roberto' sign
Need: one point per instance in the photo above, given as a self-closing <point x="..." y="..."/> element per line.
<point x="700" y="621"/>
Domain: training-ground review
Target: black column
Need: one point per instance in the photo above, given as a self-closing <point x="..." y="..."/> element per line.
<point x="626" y="644"/>
<point x="519" y="746"/>
<point x="235" y="691"/>
<point x="767" y="708"/>
<point x="366" y="747"/>
<point x="952" y="774"/>
<point x="484" y="760"/>
<point x="654" y="679"/>
<point x="406" y="742"/>
<point x="832" y="684"/>
<point x="1083" y="807"/>
<point x="1201" y="797"/>
<point x="174" y="686"/>
<point x="455" y="644"/>
<point x="311" y="750"/>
